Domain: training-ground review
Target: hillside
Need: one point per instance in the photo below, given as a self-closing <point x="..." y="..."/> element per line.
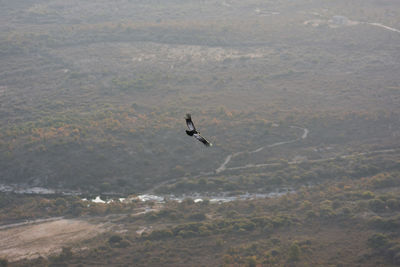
<point x="300" y="99"/>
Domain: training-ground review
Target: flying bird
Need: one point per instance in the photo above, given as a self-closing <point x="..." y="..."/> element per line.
<point x="193" y="132"/>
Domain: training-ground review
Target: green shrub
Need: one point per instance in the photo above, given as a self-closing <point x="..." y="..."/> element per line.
<point x="294" y="252"/>
<point x="367" y="195"/>
<point x="115" y="239"/>
<point x="378" y="241"/>
<point x="391" y="224"/>
<point x="161" y="234"/>
<point x="123" y="243"/>
<point x="197" y="216"/>
<point x="393" y="204"/>
<point x="252" y="261"/>
<point x="377" y="205"/>
<point x="396" y="259"/>
<point x="394" y="250"/>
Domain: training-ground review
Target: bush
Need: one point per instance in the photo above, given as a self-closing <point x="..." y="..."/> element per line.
<point x="294" y="252"/>
<point x="391" y="224"/>
<point x="384" y="181"/>
<point x="326" y="212"/>
<point x="61" y="202"/>
<point x="394" y="250"/>
<point x="367" y="195"/>
<point x="396" y="259"/>
<point x="378" y="241"/>
<point x="345" y="212"/>
<point x="393" y="204"/>
<point x="161" y="234"/>
<point x="245" y="225"/>
<point x="115" y="239"/>
<point x="197" y="216"/>
<point x="311" y="215"/>
<point x="377" y="205"/>
<point x="66" y="253"/>
<point x="188" y="233"/>
<point x="252" y="261"/>
<point x="123" y="243"/>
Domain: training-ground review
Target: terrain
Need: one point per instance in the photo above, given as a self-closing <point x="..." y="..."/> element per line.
<point x="43" y="238"/>
<point x="301" y="100"/>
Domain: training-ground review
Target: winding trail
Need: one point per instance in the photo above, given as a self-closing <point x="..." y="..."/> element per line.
<point x="383" y="26"/>
<point x="248" y="166"/>
<point x="229" y="157"/>
<point x="28" y="222"/>
<point x="223" y="167"/>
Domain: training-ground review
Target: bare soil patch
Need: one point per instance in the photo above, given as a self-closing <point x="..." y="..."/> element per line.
<point x="31" y="241"/>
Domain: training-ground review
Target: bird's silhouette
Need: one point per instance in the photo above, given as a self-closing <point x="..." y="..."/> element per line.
<point x="193" y="132"/>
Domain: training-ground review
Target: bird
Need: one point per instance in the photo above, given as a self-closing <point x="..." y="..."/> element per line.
<point x="193" y="132"/>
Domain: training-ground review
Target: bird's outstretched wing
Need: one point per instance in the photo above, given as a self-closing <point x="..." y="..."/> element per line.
<point x="189" y="122"/>
<point x="202" y="139"/>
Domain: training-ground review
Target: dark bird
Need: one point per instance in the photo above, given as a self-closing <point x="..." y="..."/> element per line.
<point x="193" y="132"/>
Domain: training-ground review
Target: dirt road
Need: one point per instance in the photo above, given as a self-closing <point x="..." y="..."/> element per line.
<point x="229" y="157"/>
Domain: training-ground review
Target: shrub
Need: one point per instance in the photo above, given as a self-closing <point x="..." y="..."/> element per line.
<point x="377" y="205"/>
<point x="197" y="216"/>
<point x="378" y="241"/>
<point x="160" y="234"/>
<point x="346" y="212"/>
<point x="367" y="195"/>
<point x="123" y="243"/>
<point x="219" y="243"/>
<point x="391" y="224"/>
<point x="393" y="204"/>
<point x="115" y="239"/>
<point x="245" y="225"/>
<point x="396" y="259"/>
<point x="326" y="213"/>
<point x="252" y="261"/>
<point x="294" y="252"/>
<point x="61" y="202"/>
<point x="394" y="250"/>
<point x="66" y="253"/>
<point x="188" y="233"/>
<point x="311" y="215"/>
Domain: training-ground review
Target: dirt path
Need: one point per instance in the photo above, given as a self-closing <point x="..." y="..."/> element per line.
<point x="383" y="26"/>
<point x="6" y="226"/>
<point x="249" y="166"/>
<point x="229" y="157"/>
<point x="29" y="240"/>
<point x="223" y="166"/>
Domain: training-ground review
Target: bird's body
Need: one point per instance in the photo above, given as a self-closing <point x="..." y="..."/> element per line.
<point x="190" y="133"/>
<point x="193" y="132"/>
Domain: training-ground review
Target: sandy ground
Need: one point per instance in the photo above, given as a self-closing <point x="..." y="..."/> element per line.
<point x="44" y="238"/>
